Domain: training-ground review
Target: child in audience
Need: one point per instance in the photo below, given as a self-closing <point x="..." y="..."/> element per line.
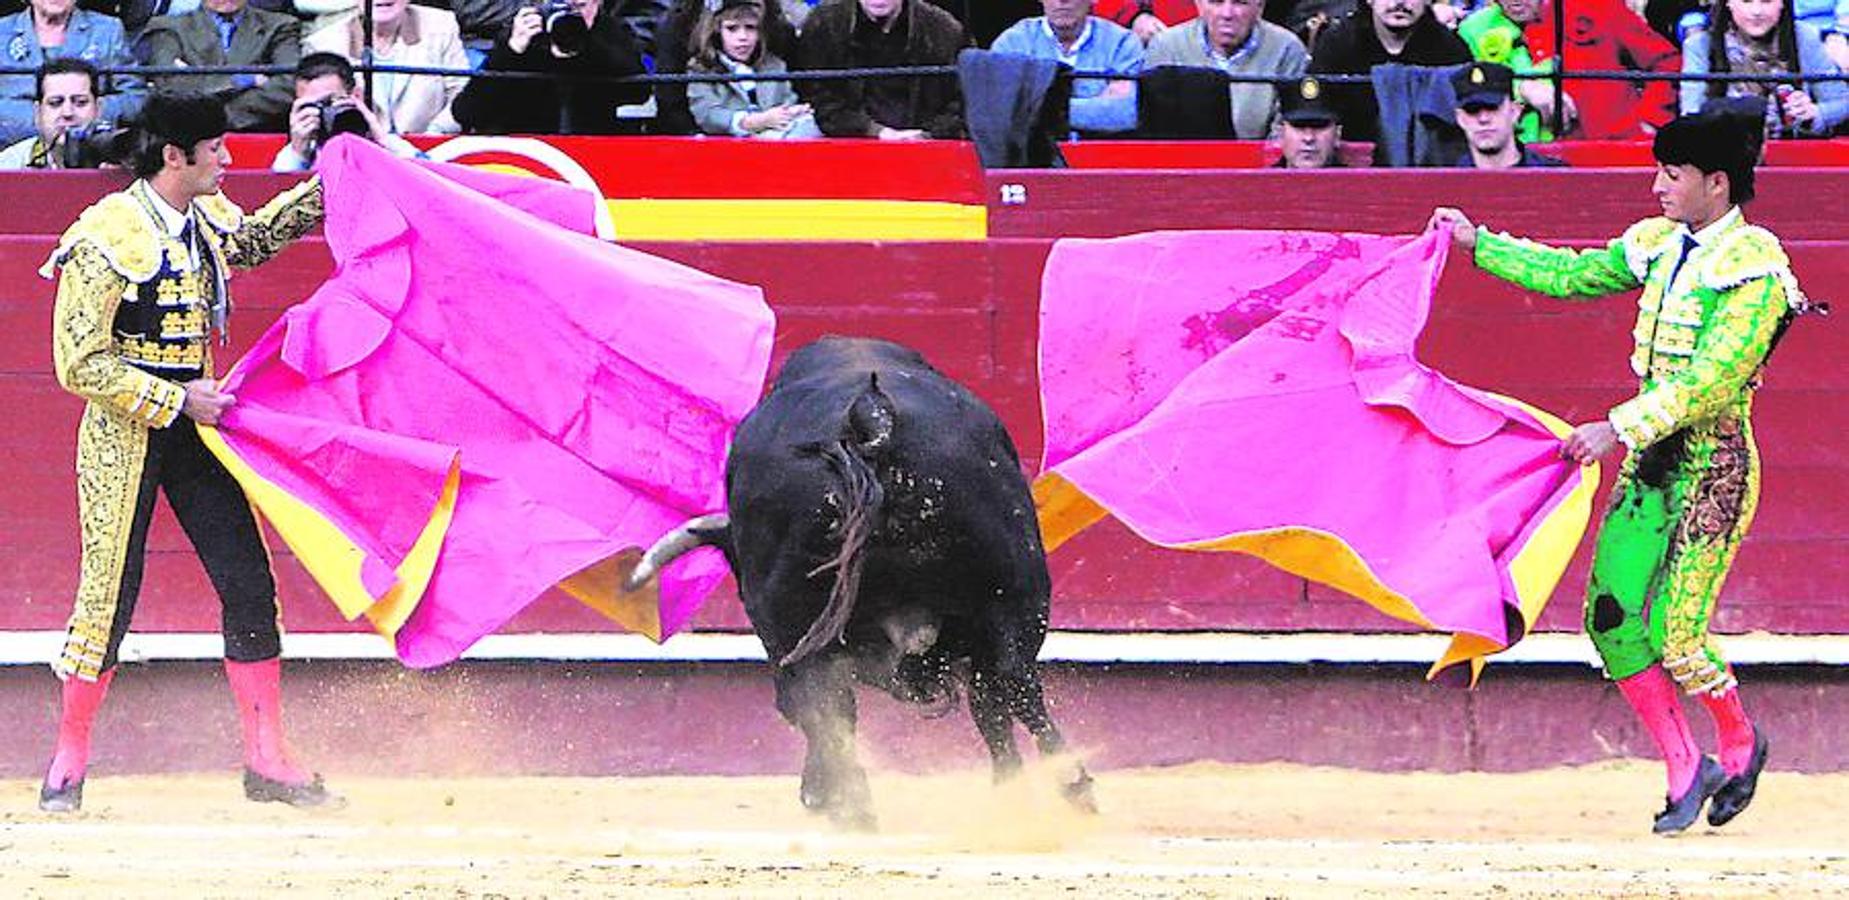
<point x="727" y="39"/>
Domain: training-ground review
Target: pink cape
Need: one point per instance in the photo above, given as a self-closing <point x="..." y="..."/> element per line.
<point x="484" y="402"/>
<point x="1257" y="392"/>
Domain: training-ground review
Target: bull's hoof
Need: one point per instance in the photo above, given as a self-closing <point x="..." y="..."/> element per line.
<point x="1079" y="794"/>
<point x="857" y="820"/>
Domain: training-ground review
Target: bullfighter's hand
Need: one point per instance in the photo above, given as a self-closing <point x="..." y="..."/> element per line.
<point x="205" y="403"/>
<point x="1590" y="442"/>
<point x="1463" y="231"/>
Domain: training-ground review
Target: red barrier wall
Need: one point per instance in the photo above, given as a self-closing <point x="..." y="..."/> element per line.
<point x="971" y="308"/>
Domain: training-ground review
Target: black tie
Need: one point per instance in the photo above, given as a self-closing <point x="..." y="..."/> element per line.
<point x="1688" y="246"/>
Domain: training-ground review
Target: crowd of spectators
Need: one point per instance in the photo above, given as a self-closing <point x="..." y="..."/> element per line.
<point x="1273" y="65"/>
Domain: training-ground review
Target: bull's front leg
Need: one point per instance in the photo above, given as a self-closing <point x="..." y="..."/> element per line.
<point x="817" y="696"/>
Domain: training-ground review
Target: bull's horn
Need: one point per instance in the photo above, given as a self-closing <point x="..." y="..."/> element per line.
<point x="688" y="535"/>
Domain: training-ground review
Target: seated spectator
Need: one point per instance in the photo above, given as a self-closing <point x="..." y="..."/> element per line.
<point x="1070" y="34"/>
<point x="404" y="35"/>
<point x="134" y="14"/>
<point x="56" y="29"/>
<point x="485" y="21"/>
<point x="843" y="34"/>
<point x="65" y="99"/>
<point x="1147" y="18"/>
<point x="728" y="41"/>
<point x="1495" y="35"/>
<point x="230" y="33"/>
<point x="1229" y="35"/>
<point x="1487" y="112"/>
<point x="325" y="95"/>
<point x="1763" y="37"/>
<point x="674" y="48"/>
<point x="1392" y="31"/>
<point x="1831" y="19"/>
<point x="1606" y="35"/>
<point x="1309" y="131"/>
<point x="589" y="41"/>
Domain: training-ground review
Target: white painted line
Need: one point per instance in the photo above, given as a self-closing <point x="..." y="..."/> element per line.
<point x="1163" y="648"/>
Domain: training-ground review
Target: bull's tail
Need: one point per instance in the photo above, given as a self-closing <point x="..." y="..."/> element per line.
<point x="868" y="433"/>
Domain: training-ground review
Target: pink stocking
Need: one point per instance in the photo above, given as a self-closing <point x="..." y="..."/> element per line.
<point x="258" y="689"/>
<point x="1659" y="707"/>
<point x="81" y="701"/>
<point x="1734" y="728"/>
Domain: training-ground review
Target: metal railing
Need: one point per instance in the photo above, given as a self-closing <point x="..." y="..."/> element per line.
<point x="1558" y="76"/>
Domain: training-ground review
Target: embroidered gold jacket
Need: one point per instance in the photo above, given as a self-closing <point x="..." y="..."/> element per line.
<point x="1698" y="343"/>
<point x="134" y="312"/>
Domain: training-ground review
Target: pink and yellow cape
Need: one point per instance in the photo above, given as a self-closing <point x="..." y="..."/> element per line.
<point x="1257" y="392"/>
<point x="485" y="401"/>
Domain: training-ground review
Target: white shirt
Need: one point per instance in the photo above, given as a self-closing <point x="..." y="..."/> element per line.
<point x="1068" y="55"/>
<point x="172" y="222"/>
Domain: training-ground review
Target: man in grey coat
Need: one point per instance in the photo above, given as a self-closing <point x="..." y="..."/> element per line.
<point x="1229" y="35"/>
<point x="230" y="32"/>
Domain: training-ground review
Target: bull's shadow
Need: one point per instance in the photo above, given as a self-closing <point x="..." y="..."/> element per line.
<point x="881" y="530"/>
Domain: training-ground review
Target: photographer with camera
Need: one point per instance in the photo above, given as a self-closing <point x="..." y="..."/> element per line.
<point x="326" y="104"/>
<point x="571" y="39"/>
<point x="65" y="111"/>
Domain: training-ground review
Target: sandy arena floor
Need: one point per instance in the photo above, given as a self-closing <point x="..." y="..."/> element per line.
<point x="1194" y="831"/>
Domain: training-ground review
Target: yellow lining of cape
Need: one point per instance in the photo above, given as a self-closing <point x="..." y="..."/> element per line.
<point x="1064" y="510"/>
<point x="331" y="557"/>
<point x="1538" y="565"/>
<point x="600" y="587"/>
<point x="1307" y="552"/>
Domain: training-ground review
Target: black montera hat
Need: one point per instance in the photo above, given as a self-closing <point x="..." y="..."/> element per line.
<point x="1483" y="84"/>
<point x="183" y="119"/>
<point x="1306" y="102"/>
<point x="1717" y="139"/>
<point x="1720" y="138"/>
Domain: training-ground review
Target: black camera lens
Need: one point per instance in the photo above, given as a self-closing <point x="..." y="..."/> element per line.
<point x="342" y="117"/>
<point x="564" y="27"/>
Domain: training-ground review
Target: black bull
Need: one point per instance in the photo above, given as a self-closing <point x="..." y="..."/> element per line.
<point x="880" y="529"/>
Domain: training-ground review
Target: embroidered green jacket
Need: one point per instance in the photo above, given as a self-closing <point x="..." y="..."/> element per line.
<point x="1699" y="342"/>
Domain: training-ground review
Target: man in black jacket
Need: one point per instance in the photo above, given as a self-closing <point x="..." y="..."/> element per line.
<point x="601" y="46"/>
<point x="1384" y="31"/>
<point x="843" y="34"/>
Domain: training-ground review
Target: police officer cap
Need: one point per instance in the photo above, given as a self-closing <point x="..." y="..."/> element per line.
<point x="1482" y="84"/>
<point x="183" y="119"/>
<point x="1306" y="102"/>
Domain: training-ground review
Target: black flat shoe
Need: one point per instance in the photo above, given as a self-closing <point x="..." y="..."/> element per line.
<point x="69" y="798"/>
<point x="304" y="795"/>
<point x="1681" y="812"/>
<point x="1734" y="796"/>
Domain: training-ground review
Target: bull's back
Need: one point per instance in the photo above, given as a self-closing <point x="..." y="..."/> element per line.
<point x="956" y="500"/>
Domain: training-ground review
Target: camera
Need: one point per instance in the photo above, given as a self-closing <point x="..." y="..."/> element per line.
<point x="564" y="26"/>
<point x="340" y="115"/>
<point x="91" y="145"/>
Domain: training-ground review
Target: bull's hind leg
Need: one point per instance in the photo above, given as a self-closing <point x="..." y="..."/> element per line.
<point x="990" y="708"/>
<point x="817" y="696"/>
<point x="1027" y="703"/>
